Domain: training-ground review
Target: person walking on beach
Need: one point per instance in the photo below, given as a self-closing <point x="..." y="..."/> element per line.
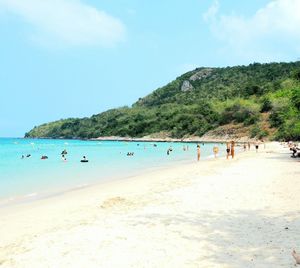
<point x="263" y="142"/>
<point x="245" y="147"/>
<point x="216" y="150"/>
<point x="232" y="149"/>
<point x="248" y="145"/>
<point x="227" y="150"/>
<point x="198" y="152"/>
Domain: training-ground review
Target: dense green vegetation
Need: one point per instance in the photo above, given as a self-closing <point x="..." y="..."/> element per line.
<point x="264" y="97"/>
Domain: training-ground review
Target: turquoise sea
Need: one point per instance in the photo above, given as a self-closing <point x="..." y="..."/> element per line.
<point x="31" y="177"/>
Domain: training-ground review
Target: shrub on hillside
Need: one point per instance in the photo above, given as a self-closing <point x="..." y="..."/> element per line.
<point x="240" y="114"/>
<point x="266" y="105"/>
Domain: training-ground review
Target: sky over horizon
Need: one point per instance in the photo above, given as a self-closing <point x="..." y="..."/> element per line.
<point x="75" y="58"/>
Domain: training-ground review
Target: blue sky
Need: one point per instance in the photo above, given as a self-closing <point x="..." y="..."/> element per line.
<point x="75" y="58"/>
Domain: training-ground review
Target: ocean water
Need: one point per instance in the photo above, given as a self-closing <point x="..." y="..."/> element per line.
<point x="29" y="177"/>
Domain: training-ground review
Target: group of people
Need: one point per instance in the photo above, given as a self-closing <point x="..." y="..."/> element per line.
<point x="215" y="151"/>
<point x="170" y="149"/>
<point x="185" y="148"/>
<point x="63" y="157"/>
<point x="230" y="147"/>
<point x="230" y="151"/>
<point x="27" y="156"/>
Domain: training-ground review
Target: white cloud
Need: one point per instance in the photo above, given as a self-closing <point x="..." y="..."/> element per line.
<point x="211" y="13"/>
<point x="66" y="22"/>
<point x="272" y="33"/>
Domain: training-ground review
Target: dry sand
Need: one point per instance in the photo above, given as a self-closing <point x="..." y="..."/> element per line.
<point x="219" y="213"/>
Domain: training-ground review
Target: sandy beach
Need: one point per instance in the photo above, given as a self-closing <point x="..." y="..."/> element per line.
<point x="217" y="213"/>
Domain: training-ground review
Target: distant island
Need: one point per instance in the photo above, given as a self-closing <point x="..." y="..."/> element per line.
<point x="259" y="101"/>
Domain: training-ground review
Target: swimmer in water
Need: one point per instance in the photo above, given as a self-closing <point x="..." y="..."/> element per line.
<point x="64" y="152"/>
<point x="84" y="159"/>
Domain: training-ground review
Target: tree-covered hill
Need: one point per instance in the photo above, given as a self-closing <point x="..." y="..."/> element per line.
<point x="263" y="98"/>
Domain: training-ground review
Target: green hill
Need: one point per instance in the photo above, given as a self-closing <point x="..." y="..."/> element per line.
<point x="262" y="99"/>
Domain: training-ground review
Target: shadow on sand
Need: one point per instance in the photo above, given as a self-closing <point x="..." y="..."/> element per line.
<point x="233" y="239"/>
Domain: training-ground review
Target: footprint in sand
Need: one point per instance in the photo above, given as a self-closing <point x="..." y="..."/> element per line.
<point x="116" y="202"/>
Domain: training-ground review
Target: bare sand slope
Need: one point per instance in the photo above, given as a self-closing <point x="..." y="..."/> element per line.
<point x="237" y="213"/>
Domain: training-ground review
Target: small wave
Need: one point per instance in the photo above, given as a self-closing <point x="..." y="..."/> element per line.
<point x="31" y="195"/>
<point x="81" y="185"/>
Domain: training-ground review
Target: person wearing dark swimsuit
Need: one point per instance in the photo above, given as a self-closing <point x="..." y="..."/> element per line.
<point x="227" y="150"/>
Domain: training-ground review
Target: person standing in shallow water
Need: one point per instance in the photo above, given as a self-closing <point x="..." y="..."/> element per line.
<point x="256" y="146"/>
<point x="232" y="149"/>
<point x="264" y="144"/>
<point x="227" y="150"/>
<point x="198" y="152"/>
<point x="216" y="150"/>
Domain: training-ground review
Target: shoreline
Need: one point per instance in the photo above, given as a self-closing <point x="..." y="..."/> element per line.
<point x="214" y="213"/>
<point x="142" y="139"/>
<point x="36" y="196"/>
<point x="33" y="193"/>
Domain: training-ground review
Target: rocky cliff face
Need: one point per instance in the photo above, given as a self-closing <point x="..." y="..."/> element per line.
<point x="186" y="86"/>
<point x="201" y="74"/>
